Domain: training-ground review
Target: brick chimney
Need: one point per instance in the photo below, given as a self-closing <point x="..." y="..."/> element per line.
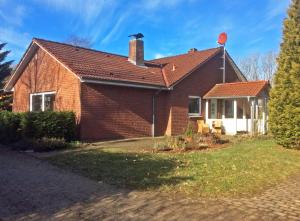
<point x="136" y="51"/>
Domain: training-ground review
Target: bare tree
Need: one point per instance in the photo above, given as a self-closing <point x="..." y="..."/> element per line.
<point x="245" y="66"/>
<point x="250" y="66"/>
<point x="269" y="65"/>
<point x="259" y="67"/>
<point x="79" y="41"/>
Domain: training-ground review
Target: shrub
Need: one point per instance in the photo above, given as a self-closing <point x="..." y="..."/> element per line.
<point x="189" y="131"/>
<point x="161" y="146"/>
<point x="177" y="143"/>
<point x="43" y="144"/>
<point x="49" y="124"/>
<point x="185" y="143"/>
<point x="49" y="144"/>
<point x="10" y="130"/>
<point x="171" y="143"/>
<point x="36" y="125"/>
<point x="5" y="101"/>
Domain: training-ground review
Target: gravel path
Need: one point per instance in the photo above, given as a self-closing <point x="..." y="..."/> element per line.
<point x="31" y="189"/>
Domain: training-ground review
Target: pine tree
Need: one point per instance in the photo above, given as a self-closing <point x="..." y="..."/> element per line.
<point x="284" y="105"/>
<point x="5" y="67"/>
<point x="6" y="100"/>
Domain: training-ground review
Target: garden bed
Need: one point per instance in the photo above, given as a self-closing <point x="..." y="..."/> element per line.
<point x="192" y="142"/>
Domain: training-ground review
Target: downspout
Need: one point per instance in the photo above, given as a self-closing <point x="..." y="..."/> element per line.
<point x="153" y="112"/>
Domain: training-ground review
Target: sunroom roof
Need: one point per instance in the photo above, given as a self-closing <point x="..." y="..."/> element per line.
<point x="237" y="89"/>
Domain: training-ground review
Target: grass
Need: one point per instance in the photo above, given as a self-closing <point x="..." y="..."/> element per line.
<point x="243" y="168"/>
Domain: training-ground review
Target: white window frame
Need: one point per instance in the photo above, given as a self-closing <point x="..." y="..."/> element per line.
<point x="195" y="114"/>
<point x="43" y="99"/>
<point x="215" y="102"/>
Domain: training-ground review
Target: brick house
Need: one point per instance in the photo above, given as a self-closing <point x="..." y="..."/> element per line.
<point x="116" y="96"/>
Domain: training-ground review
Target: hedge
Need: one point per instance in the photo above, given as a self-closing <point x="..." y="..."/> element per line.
<point x="10" y="127"/>
<point x="35" y="125"/>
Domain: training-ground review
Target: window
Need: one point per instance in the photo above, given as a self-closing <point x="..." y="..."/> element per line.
<point x="194" y="106"/>
<point x="228" y="108"/>
<point x="213" y="109"/>
<point x="36" y="103"/>
<point x="49" y="102"/>
<point x="42" y="101"/>
<point x="240" y="105"/>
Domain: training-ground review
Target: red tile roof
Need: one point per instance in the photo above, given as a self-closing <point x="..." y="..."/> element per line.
<point x="100" y="65"/>
<point x="237" y="89"/>
<point x="183" y="64"/>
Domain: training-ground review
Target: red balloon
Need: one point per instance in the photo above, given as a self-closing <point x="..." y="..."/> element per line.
<point x="222" y="38"/>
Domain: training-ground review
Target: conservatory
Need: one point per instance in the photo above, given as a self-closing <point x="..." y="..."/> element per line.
<point x="239" y="107"/>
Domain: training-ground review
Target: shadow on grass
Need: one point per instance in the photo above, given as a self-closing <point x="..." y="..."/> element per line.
<point x="129" y="170"/>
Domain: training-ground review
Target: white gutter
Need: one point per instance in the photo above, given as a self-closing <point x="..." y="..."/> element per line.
<point x="228" y="97"/>
<point x="124" y="84"/>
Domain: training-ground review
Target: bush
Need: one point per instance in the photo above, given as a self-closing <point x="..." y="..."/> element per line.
<point x="49" y="124"/>
<point x="185" y="143"/>
<point x="177" y="143"/>
<point x="5" y="101"/>
<point x="161" y="146"/>
<point x="189" y="131"/>
<point x="49" y="144"/>
<point x="10" y="130"/>
<point x="43" y="144"/>
<point x="36" y="125"/>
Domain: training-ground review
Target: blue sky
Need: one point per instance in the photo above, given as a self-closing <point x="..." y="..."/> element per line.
<point x="170" y="26"/>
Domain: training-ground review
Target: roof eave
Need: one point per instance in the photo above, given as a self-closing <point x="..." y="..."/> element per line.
<point x="21" y="65"/>
<point x="124" y="84"/>
<point x="227" y="97"/>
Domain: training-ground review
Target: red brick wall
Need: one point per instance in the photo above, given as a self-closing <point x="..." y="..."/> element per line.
<point x="162" y="113"/>
<point x="112" y="112"/>
<point x="43" y="74"/>
<point x="197" y="84"/>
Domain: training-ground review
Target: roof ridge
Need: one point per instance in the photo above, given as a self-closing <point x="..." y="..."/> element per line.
<point x="89" y="49"/>
<point x="244" y="82"/>
<point x="164" y="77"/>
<point x="105" y="52"/>
<point x="172" y="56"/>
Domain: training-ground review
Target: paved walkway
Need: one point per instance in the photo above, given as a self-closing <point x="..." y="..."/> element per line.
<point x="31" y="189"/>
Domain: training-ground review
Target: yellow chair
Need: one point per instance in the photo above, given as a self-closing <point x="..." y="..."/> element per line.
<point x="202" y="127"/>
<point x="217" y="127"/>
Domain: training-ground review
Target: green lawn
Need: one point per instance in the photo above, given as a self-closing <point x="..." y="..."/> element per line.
<point x="242" y="168"/>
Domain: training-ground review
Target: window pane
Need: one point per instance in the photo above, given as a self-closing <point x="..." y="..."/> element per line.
<point x="240" y="104"/>
<point x="213" y="109"/>
<point x="36" y="103"/>
<point x="194" y="106"/>
<point x="49" y="101"/>
<point x="228" y="108"/>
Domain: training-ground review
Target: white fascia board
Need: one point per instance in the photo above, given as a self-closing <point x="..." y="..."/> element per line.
<point x="24" y="60"/>
<point x="233" y="97"/>
<point x="124" y="84"/>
